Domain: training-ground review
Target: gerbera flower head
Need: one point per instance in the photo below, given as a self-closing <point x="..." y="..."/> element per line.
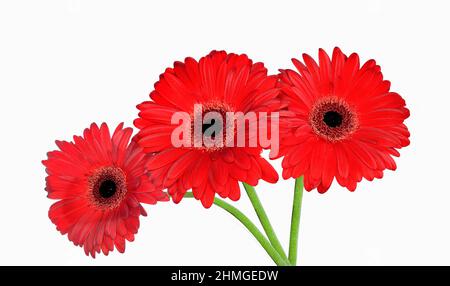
<point x="100" y="182"/>
<point x="221" y="83"/>
<point x="342" y="122"/>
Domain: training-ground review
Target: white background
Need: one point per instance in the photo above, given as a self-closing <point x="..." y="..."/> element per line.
<point x="65" y="64"/>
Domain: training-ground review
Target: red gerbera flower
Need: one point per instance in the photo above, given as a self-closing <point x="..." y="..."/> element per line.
<point x="100" y="183"/>
<point x="221" y="83"/>
<point x="344" y="123"/>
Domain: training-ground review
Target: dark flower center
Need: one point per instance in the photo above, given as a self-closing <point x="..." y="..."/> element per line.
<point x="332" y="119"/>
<point x="214" y="127"/>
<point x="206" y="126"/>
<point x="107" y="189"/>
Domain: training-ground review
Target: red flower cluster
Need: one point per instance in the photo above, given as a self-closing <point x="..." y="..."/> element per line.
<point x="338" y="120"/>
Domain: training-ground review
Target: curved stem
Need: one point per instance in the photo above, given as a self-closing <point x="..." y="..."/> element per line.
<point x="264" y="220"/>
<point x="251" y="227"/>
<point x="295" y="221"/>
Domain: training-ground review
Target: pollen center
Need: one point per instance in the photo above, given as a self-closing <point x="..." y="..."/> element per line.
<point x="217" y="128"/>
<point x="333" y="119"/>
<point x="212" y="122"/>
<point x="107" y="187"/>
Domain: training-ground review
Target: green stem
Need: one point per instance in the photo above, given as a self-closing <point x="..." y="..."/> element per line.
<point x="251" y="227"/>
<point x="264" y="220"/>
<point x="295" y="221"/>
